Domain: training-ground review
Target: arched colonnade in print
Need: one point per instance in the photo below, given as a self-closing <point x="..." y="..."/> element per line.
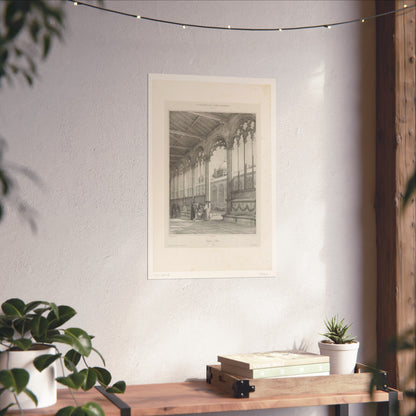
<point x="229" y="188"/>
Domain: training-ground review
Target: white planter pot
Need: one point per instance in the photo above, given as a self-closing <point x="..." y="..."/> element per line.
<point x="342" y="357"/>
<point x="42" y="384"/>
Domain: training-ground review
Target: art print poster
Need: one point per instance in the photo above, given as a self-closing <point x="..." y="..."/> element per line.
<point x="211" y="177"/>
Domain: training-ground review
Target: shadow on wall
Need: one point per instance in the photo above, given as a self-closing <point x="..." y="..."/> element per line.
<point x="350" y="213"/>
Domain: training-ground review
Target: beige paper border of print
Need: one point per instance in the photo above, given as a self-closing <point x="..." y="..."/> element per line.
<point x="210" y="255"/>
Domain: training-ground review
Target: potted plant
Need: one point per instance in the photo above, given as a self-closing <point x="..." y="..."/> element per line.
<point x="34" y="331"/>
<point x="341" y="347"/>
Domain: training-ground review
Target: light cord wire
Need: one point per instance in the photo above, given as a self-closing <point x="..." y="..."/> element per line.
<point x="244" y="29"/>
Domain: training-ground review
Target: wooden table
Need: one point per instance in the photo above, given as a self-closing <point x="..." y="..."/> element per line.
<point x="197" y="396"/>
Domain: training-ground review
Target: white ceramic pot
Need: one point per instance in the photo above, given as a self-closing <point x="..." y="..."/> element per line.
<point x="342" y="357"/>
<point x="42" y="384"/>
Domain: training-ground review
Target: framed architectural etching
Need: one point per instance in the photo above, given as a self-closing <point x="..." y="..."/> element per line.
<point x="211" y="189"/>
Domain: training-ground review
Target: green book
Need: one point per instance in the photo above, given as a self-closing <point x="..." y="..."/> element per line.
<point x="274" y="372"/>
<point x="256" y="360"/>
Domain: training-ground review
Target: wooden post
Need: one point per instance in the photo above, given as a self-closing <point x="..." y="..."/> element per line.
<point x="395" y="163"/>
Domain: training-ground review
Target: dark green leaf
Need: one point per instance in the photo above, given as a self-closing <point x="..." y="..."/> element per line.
<point x="54" y="309"/>
<point x="59" y="315"/>
<point x="65" y="411"/>
<point x="88" y="409"/>
<point x="22" y="325"/>
<point x="46" y="45"/>
<point x="39" y="327"/>
<point x="73" y="381"/>
<point x="33" y="305"/>
<point x="4" y="411"/>
<point x="77" y="338"/>
<point x="103" y="376"/>
<point x="93" y="409"/>
<point x="13" y="307"/>
<point x="6" y="332"/>
<point x="90" y="379"/>
<point x="14" y="380"/>
<point x="31" y="396"/>
<point x="44" y="361"/>
<point x="71" y="360"/>
<point x="22" y="343"/>
<point x="119" y="387"/>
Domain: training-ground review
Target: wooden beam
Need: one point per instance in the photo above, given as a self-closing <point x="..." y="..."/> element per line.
<point x="183" y="133"/>
<point x="395" y="163"/>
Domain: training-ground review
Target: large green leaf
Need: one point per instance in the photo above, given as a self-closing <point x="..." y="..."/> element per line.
<point x="14" y="380"/>
<point x="119" y="387"/>
<point x="34" y="304"/>
<point x="71" y="360"/>
<point x="22" y="325"/>
<point x="90" y="379"/>
<point x="60" y="315"/>
<point x="103" y="376"/>
<point x="77" y="338"/>
<point x="44" y="361"/>
<point x="22" y="343"/>
<point x="73" y="381"/>
<point x="31" y="396"/>
<point x="88" y="409"/>
<point x="54" y="309"/>
<point x="39" y="327"/>
<point x="93" y="409"/>
<point x="6" y="332"/>
<point x="13" y="307"/>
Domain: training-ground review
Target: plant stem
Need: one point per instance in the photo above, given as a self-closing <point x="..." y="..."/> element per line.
<point x="63" y="373"/>
<point x="18" y="403"/>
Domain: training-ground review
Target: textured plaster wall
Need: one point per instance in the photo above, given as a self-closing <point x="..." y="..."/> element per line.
<point x="83" y="129"/>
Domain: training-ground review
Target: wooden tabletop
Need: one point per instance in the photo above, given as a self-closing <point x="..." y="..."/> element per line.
<point x="199" y="397"/>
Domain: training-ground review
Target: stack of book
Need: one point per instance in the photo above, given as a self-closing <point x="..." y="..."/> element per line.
<point x="275" y="364"/>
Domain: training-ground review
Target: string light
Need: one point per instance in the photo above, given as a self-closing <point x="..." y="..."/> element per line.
<point x="246" y="29"/>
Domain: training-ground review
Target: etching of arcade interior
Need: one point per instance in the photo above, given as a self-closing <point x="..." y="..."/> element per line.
<point x="212" y="170"/>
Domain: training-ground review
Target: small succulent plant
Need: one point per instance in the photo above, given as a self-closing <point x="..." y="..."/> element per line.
<point x="337" y="331"/>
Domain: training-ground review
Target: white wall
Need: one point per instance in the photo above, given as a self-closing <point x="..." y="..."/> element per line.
<point x="83" y="130"/>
